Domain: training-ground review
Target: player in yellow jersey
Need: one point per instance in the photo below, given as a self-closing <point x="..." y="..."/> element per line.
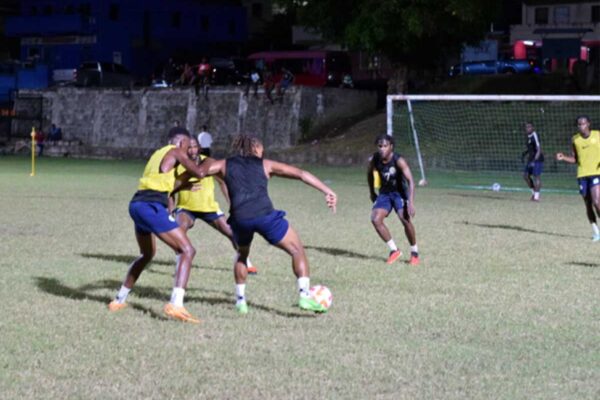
<point x="198" y="201"/>
<point x="586" y="154"/>
<point x="148" y="209"/>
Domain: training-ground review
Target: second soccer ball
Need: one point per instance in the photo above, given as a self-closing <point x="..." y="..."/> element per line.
<point x="322" y="295"/>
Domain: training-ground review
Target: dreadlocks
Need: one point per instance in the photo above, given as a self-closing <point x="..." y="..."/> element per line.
<point x="243" y="145"/>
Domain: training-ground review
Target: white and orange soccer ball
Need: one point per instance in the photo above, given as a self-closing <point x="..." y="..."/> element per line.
<point x="322" y="295"/>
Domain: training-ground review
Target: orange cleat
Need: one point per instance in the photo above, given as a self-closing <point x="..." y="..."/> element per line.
<point x="179" y="313"/>
<point x="115" y="306"/>
<point x="252" y="270"/>
<point x="414" y="260"/>
<point x="394" y="255"/>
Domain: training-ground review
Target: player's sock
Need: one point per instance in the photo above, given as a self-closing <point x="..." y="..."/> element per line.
<point x="177" y="296"/>
<point x="414" y="250"/>
<point x="595" y="229"/>
<point x="392" y="245"/>
<point x="248" y="262"/>
<point x="240" y="293"/>
<point x="122" y="294"/>
<point x="303" y="286"/>
<point x="536" y="195"/>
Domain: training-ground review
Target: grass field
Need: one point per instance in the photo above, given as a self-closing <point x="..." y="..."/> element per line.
<point x="505" y="304"/>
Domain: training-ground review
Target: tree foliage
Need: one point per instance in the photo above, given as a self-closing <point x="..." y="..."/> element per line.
<point x="412" y="32"/>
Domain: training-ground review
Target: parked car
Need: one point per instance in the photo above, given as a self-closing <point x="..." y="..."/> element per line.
<point x="492" y="67"/>
<point x="96" y="73"/>
<point x="230" y="71"/>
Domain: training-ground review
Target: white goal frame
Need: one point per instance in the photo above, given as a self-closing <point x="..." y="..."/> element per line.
<point x="436" y="97"/>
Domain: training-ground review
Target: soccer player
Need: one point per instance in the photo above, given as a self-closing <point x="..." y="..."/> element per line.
<point x="148" y="209"/>
<point x="397" y="192"/>
<point x="586" y="154"/>
<point x="251" y="211"/>
<point x="199" y="202"/>
<point x="535" y="161"/>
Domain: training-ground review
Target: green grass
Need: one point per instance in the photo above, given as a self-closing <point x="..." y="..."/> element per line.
<point x="505" y="304"/>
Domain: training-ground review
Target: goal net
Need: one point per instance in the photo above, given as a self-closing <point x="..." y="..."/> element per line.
<point x="477" y="136"/>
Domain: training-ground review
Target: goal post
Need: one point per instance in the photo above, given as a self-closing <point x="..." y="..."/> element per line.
<point x="481" y="134"/>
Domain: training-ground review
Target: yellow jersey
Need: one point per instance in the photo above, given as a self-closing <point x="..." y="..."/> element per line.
<point x="588" y="154"/>
<point x="202" y="200"/>
<point x="153" y="179"/>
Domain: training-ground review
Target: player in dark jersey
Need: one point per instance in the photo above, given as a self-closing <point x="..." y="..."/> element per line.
<point x="148" y="209"/>
<point x="534" y="161"/>
<point x="251" y="211"/>
<point x="396" y="192"/>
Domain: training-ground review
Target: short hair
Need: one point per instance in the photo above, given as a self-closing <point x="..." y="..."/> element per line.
<point x="176" y="131"/>
<point x="583" y="116"/>
<point x="385" y="137"/>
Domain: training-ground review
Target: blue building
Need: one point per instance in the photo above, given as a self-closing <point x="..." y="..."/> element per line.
<point x="139" y="34"/>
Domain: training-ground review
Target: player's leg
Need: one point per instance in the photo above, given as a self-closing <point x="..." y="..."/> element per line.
<point x="240" y="274"/>
<point x="184" y="219"/>
<point x="381" y="209"/>
<point x="594" y="205"/>
<point x="221" y="225"/>
<point x="586" y="191"/>
<point x="537" y="181"/>
<point x="147" y="245"/>
<point x="411" y="235"/>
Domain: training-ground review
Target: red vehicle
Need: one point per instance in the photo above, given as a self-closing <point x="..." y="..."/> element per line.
<point x="310" y="67"/>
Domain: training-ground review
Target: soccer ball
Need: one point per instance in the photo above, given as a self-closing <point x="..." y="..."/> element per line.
<point x="496" y="187"/>
<point x="322" y="295"/>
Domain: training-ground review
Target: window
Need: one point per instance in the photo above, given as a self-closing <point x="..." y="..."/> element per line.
<point x="257" y="10"/>
<point x="595" y="14"/>
<point x="176" y="19"/>
<point x="231" y="27"/>
<point x="204" y="23"/>
<point x="113" y="12"/>
<point x="541" y="15"/>
<point x="561" y="15"/>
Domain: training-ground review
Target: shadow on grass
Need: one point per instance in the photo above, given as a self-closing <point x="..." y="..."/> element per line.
<point x="129" y="259"/>
<point x="517" y="228"/>
<point x="484" y="196"/>
<point x="584" y="264"/>
<point x="54" y="287"/>
<point x="341" y="252"/>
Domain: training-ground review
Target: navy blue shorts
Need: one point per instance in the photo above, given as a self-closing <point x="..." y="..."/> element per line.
<point x="272" y="227"/>
<point x="207" y="217"/>
<point x="586" y="183"/>
<point x="151" y="217"/>
<point x="387" y="201"/>
<point x="534" y="168"/>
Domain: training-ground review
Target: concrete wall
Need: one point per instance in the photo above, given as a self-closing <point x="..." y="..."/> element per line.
<point x="114" y="123"/>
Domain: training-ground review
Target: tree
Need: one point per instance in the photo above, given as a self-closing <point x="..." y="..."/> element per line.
<point x="410" y="33"/>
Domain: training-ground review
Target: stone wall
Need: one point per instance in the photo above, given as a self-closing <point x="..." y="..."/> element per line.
<point x="114" y="123"/>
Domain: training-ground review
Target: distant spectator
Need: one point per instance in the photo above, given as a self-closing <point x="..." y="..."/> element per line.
<point x="55" y="133"/>
<point x="287" y="78"/>
<point x="205" y="140"/>
<point x="268" y="84"/>
<point x="187" y="75"/>
<point x="203" y="77"/>
<point x="39" y="137"/>
<point x="170" y="71"/>
<point x="253" y="82"/>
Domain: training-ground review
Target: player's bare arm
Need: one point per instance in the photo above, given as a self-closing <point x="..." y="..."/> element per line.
<point x="401" y="163"/>
<point x="212" y="167"/>
<point x="289" y="171"/>
<point x="572" y="159"/>
<point x="371" y="181"/>
<point x="179" y="156"/>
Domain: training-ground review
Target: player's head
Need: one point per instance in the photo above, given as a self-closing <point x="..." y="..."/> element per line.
<point x="179" y="137"/>
<point x="583" y="123"/>
<point x="385" y="145"/>
<point x="529" y="128"/>
<point x="247" y="146"/>
<point x="193" y="150"/>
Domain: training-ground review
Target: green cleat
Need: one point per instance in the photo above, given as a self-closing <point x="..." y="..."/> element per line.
<point x="308" y="304"/>
<point x="242" y="308"/>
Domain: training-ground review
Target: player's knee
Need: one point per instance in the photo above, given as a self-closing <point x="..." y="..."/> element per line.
<point x="188" y="250"/>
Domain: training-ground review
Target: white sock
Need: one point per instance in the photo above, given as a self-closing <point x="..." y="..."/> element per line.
<point x="303" y="286"/>
<point x="248" y="262"/>
<point x="240" y="293"/>
<point x="595" y="229"/>
<point x="392" y="245"/>
<point x="414" y="249"/>
<point x="536" y="195"/>
<point x="177" y="296"/>
<point x="122" y="294"/>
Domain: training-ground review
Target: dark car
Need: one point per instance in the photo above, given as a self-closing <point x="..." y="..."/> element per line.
<point x="96" y="73"/>
<point x="492" y="67"/>
<point x="230" y="71"/>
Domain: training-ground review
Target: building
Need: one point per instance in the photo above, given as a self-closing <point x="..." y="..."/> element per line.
<point x="140" y="35"/>
<point x="557" y="32"/>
